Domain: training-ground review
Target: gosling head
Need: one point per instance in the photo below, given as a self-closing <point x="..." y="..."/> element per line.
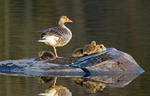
<point x="102" y="47"/>
<point x="78" y="53"/>
<point x="93" y="43"/>
<point x="47" y="55"/>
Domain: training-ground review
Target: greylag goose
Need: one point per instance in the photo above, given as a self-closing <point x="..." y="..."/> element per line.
<point x="57" y="36"/>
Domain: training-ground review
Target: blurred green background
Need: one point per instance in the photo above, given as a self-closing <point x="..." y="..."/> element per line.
<point x="122" y="24"/>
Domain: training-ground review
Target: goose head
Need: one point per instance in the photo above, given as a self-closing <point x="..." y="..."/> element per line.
<point x="63" y="19"/>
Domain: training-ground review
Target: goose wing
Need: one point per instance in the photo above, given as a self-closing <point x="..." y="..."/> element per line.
<point x="55" y="31"/>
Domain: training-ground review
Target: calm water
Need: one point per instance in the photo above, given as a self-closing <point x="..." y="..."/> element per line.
<point x="121" y="24"/>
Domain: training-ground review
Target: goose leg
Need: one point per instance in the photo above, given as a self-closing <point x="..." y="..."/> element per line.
<point x="56" y="52"/>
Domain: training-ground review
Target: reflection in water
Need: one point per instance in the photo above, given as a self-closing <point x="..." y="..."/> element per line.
<point x="94" y="83"/>
<point x="46" y="79"/>
<point x="56" y="91"/>
<point x="93" y="86"/>
<point x="100" y="82"/>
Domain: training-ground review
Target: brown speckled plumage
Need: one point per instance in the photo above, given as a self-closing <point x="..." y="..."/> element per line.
<point x="58" y="31"/>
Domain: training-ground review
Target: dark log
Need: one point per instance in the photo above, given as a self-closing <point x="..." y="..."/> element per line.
<point x="109" y="62"/>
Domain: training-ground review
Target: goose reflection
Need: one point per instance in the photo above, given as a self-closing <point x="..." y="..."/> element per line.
<point x="93" y="86"/>
<point x="92" y="83"/>
<point x="99" y="83"/>
<point x="56" y="91"/>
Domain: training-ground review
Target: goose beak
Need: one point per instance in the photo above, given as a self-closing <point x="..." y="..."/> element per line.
<point x="68" y="20"/>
